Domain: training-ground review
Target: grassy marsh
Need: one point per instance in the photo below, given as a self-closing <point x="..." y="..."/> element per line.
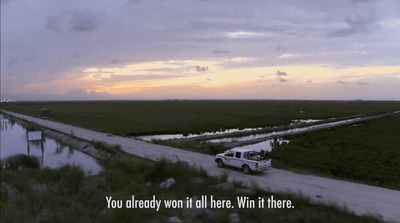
<point x="133" y="118"/>
<point x="367" y="152"/>
<point x="66" y="195"/>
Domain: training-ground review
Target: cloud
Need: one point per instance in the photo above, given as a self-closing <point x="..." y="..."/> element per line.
<point x="282" y="80"/>
<point x="4" y="1"/>
<point x="286" y="55"/>
<point x="54" y="22"/>
<point x="86" y="20"/>
<point x="341" y="82"/>
<point x="115" y="61"/>
<point x="135" y="1"/>
<point x="362" y="1"/>
<point x="363" y="83"/>
<point x="202" y="69"/>
<point x="12" y="62"/>
<point x="82" y="94"/>
<point x="242" y="34"/>
<point x="75" y="55"/>
<point x="241" y="59"/>
<point x="278" y="73"/>
<point x="356" y="24"/>
<point x="103" y="75"/>
<point x="122" y="78"/>
<point x="78" y="20"/>
<point x="221" y="52"/>
<point x="70" y="36"/>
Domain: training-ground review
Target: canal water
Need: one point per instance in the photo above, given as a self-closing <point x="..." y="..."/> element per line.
<point x="285" y="132"/>
<point x="266" y="145"/>
<point x="49" y="152"/>
<point x="182" y="136"/>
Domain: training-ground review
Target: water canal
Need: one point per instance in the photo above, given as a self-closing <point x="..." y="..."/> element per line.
<point x="262" y="141"/>
<point x="49" y="152"/>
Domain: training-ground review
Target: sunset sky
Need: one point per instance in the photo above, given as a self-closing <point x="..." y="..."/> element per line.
<point x="200" y="49"/>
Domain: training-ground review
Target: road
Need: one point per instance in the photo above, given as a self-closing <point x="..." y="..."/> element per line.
<point x="358" y="198"/>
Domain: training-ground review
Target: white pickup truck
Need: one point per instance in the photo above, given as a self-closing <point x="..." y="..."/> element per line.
<point x="246" y="159"/>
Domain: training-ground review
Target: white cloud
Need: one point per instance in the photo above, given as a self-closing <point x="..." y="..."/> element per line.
<point x="241" y="34"/>
<point x="241" y="59"/>
<point x="286" y="55"/>
<point x="45" y="42"/>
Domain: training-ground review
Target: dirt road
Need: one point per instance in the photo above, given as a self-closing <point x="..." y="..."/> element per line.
<point x="359" y="198"/>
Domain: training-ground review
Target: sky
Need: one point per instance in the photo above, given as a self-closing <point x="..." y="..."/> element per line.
<point x="200" y="49"/>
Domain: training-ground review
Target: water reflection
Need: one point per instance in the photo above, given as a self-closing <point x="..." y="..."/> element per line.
<point x="49" y="152"/>
<point x="182" y="136"/>
<point x="285" y="132"/>
<point x="266" y="145"/>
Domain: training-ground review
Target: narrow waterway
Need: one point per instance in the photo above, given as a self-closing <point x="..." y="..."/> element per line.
<point x="266" y="145"/>
<point x="285" y="132"/>
<point x="49" y="152"/>
<point x="262" y="141"/>
<point x="223" y="139"/>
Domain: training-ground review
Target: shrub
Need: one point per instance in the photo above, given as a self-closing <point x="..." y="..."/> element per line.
<point x="112" y="149"/>
<point x="30" y="126"/>
<point x="21" y="161"/>
<point x="71" y="179"/>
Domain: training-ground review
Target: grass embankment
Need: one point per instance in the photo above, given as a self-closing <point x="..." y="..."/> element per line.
<point x="132" y="118"/>
<point x="367" y="152"/>
<point x="195" y="146"/>
<point x="29" y="194"/>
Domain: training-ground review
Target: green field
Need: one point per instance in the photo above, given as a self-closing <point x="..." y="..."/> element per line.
<point x="368" y="152"/>
<point x="133" y="118"/>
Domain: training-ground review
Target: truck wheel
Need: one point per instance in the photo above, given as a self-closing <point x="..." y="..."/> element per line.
<point x="220" y="163"/>
<point x="246" y="169"/>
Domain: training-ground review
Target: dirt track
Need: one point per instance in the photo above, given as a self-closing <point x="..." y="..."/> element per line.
<point x="359" y="198"/>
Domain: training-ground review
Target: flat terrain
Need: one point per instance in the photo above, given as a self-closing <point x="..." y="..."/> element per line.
<point x="133" y="118"/>
<point x="366" y="151"/>
<point x="361" y="199"/>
